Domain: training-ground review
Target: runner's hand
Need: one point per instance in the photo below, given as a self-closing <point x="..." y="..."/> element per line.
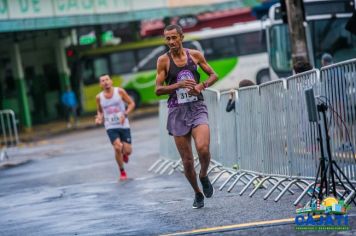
<point x="122" y="119"/>
<point x="98" y="119"/>
<point x="187" y="83"/>
<point x="232" y="94"/>
<point x="196" y="90"/>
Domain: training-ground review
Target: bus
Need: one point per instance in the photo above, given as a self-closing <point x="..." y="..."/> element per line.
<point x="235" y="53"/>
<point x="325" y="33"/>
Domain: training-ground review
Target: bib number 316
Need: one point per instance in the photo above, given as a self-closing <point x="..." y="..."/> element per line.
<point x="184" y="97"/>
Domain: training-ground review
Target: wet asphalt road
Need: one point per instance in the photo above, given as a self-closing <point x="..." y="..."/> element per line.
<point x="71" y="187"/>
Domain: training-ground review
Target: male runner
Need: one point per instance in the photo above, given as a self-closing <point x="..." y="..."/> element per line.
<point x="111" y="109"/>
<point x="177" y="76"/>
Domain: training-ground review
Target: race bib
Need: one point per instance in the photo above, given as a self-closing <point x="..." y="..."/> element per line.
<point x="182" y="93"/>
<point x="114" y="118"/>
<point x="184" y="97"/>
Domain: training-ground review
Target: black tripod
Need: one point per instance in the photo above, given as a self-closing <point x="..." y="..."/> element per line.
<point x="328" y="168"/>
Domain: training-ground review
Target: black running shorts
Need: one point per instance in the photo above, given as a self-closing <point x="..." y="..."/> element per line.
<point x="123" y="134"/>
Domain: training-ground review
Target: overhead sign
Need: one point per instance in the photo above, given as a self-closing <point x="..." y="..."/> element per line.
<point x="50" y="14"/>
<point x="19" y="9"/>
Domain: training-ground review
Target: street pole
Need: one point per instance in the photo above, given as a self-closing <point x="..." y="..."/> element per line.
<point x="296" y="27"/>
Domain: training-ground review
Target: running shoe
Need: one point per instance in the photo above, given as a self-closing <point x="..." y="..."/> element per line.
<point x="208" y="188"/>
<point x="123" y="175"/>
<point x="198" y="201"/>
<point x="125" y="157"/>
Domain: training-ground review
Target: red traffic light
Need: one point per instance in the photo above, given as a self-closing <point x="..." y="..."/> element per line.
<point x="70" y="53"/>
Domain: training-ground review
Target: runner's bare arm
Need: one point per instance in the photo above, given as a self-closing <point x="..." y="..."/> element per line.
<point x="99" y="111"/>
<point x="162" y="89"/>
<point x="207" y="69"/>
<point x="201" y="61"/>
<point x="130" y="103"/>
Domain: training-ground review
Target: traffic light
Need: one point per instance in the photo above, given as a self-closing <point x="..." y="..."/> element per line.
<point x="70" y="52"/>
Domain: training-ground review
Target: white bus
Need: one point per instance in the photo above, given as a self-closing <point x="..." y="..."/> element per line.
<point x="325" y="32"/>
<point x="237" y="52"/>
<point x="244" y="41"/>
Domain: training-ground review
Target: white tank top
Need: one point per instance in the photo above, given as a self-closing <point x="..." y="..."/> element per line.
<point x="114" y="109"/>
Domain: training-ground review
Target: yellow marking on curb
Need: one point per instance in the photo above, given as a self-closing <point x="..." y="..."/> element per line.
<point x="236" y="226"/>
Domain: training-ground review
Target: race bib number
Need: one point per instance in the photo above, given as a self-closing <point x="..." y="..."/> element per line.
<point x="114" y="118"/>
<point x="184" y="97"/>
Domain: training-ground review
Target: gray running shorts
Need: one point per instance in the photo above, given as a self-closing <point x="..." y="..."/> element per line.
<point x="183" y="118"/>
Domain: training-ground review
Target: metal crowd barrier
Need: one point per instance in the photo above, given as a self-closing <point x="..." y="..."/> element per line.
<point x="228" y="139"/>
<point x="338" y="89"/>
<point x="269" y="137"/>
<point x="9" y="135"/>
<point x="247" y="135"/>
<point x="302" y="146"/>
<point x="262" y="134"/>
<point x="169" y="156"/>
<point x="211" y="99"/>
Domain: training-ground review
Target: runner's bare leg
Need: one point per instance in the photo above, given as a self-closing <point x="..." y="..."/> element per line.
<point x="201" y="136"/>
<point x="184" y="147"/>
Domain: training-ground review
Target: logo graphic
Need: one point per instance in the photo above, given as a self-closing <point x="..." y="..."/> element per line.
<point x="185" y="74"/>
<point x="328" y="214"/>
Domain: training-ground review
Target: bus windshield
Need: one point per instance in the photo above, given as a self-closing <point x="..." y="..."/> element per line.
<point x="327" y="35"/>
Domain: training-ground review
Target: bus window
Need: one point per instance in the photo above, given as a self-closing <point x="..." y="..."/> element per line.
<point x="93" y="68"/>
<point x="122" y="62"/>
<point x="218" y="48"/>
<point x="193" y="45"/>
<point x="101" y="67"/>
<point x="147" y="58"/>
<point x="331" y="36"/>
<point x="208" y="49"/>
<point x="224" y="47"/>
<point x="280" y="49"/>
<point x="251" y="43"/>
<point x="87" y="72"/>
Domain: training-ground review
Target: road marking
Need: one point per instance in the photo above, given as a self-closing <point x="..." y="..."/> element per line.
<point x="233" y="227"/>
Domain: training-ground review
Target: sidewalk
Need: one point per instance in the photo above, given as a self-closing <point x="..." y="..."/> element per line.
<point x="40" y="132"/>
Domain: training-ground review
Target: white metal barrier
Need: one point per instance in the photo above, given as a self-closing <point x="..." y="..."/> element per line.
<point x="169" y="156"/>
<point x="228" y="139"/>
<point x="274" y="128"/>
<point x="211" y="98"/>
<point x="248" y="126"/>
<point x="269" y="135"/>
<point x="9" y="135"/>
<point x="338" y="89"/>
<point x="303" y="147"/>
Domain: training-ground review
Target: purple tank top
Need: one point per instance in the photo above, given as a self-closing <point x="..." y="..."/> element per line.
<point x="176" y="73"/>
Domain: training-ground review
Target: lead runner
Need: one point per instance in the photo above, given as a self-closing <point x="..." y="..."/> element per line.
<point x="178" y="77"/>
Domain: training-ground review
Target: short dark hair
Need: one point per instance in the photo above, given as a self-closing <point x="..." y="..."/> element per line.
<point x="104" y="75"/>
<point x="172" y="27"/>
<point x="302" y="66"/>
<point x="245" y="83"/>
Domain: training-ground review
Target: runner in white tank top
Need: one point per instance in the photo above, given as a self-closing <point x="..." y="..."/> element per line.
<point x="112" y="112"/>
